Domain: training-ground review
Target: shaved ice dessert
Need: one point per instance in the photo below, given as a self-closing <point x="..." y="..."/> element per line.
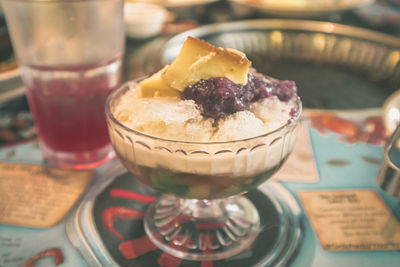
<point x="205" y="126"/>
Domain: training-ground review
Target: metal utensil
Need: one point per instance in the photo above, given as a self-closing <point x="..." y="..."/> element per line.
<point x="389" y="175"/>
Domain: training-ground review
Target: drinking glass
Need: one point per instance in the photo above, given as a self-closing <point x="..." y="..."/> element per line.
<point x="202" y="213"/>
<point x="70" y="57"/>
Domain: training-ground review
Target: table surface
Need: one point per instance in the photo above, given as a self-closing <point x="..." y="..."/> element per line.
<point x="358" y="175"/>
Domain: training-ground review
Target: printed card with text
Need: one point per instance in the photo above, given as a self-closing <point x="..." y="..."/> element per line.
<point x="349" y="220"/>
<point x="300" y="166"/>
<point x="38" y="196"/>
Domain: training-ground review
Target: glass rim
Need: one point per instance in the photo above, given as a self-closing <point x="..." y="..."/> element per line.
<point x="291" y="122"/>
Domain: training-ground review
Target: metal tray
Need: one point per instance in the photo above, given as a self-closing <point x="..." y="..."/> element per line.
<point x="335" y="66"/>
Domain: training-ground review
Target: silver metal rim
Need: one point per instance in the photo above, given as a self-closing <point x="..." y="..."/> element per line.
<point x="283" y="24"/>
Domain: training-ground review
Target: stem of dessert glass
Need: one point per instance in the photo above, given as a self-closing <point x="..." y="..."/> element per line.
<point x="202" y="229"/>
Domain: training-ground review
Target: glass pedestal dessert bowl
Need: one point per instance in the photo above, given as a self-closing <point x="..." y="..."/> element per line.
<point x="202" y="213"/>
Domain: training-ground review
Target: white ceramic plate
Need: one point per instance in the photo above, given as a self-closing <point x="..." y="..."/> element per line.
<point x="300" y="8"/>
<point x="143" y="20"/>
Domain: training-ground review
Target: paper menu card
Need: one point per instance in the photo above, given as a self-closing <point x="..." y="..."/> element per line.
<point x="38" y="196"/>
<point x="300" y="166"/>
<point x="349" y="220"/>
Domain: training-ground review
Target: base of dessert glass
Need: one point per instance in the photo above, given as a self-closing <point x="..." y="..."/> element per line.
<point x="196" y="229"/>
<point x="277" y="242"/>
<point x="78" y="160"/>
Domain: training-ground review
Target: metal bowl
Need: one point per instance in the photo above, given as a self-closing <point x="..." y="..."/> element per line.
<point x="335" y="66"/>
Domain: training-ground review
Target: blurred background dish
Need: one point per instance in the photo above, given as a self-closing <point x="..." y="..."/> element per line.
<point x="8" y="69"/>
<point x="299" y="8"/>
<point x="175" y="3"/>
<point x="383" y="14"/>
<point x="182" y="9"/>
<point x="143" y="20"/>
<point x="16" y="122"/>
